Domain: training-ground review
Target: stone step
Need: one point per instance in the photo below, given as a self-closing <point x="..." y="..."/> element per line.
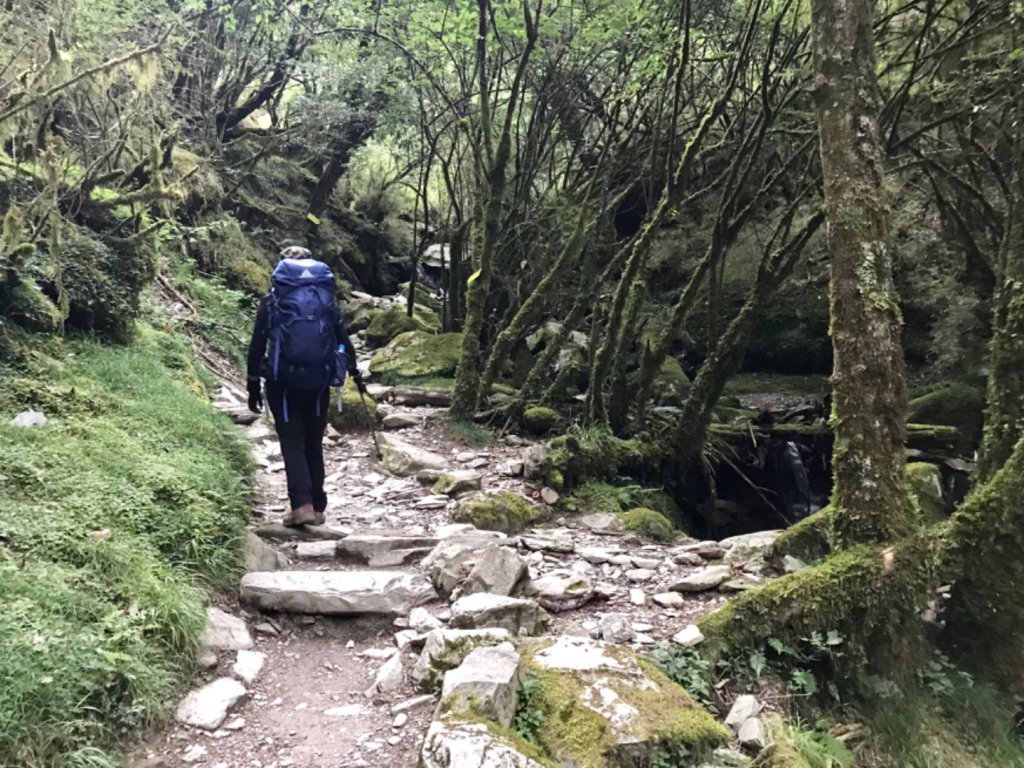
<point x="390" y="593"/>
<point x="278" y="532"/>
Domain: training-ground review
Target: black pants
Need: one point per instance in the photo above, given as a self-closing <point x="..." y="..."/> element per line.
<point x="300" y="429"/>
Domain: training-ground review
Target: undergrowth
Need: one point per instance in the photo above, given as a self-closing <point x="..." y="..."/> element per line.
<point x="113" y="518"/>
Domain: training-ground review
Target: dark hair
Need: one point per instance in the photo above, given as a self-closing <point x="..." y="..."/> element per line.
<point x="295" y="252"/>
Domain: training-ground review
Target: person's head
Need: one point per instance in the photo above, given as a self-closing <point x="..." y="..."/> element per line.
<point x="294" y="252"/>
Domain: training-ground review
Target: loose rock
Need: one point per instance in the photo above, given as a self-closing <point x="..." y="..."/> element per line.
<point x="208" y="707"/>
<point x="484" y="610"/>
<point x="446" y="648"/>
<point x="224" y="632"/>
<point x="561" y="593"/>
<point x="334" y="592"/>
<point x="248" y="665"/>
<point x="498" y="570"/>
<point x="703" y="580"/>
<point x="486" y="683"/>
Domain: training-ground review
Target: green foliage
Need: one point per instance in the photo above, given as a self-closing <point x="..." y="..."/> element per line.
<point x="468" y="432"/>
<point x="794" y="746"/>
<point x="688" y="668"/>
<point x="97" y="633"/>
<point x="224" y="316"/>
<point x="529" y="716"/>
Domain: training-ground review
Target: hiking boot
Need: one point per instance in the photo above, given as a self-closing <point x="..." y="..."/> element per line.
<point x="319" y="517"/>
<point x="300" y="516"/>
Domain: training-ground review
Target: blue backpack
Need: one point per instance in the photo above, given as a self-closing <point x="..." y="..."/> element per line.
<point x="303" y="316"/>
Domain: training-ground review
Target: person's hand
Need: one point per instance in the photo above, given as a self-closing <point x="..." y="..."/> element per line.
<point x="357" y="377"/>
<point x="255" y="397"/>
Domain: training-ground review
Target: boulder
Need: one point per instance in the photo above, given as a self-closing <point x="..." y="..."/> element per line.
<point x="453" y="744"/>
<point x="616" y="628"/>
<point x="390" y="323"/>
<point x="558" y="593"/>
<point x="629" y="709"/>
<point x="445" y="649"/>
<point x="703" y="580"/>
<point x="741" y="549"/>
<point x="539" y="420"/>
<point x="224" y="632"/>
<point x="419" y="354"/>
<point x="334" y="592"/>
<point x="753" y="735"/>
<point x="458" y="481"/>
<point x="498" y="571"/>
<point x="483" y="611"/>
<point x="485" y="684"/>
<point x="257" y="555"/>
<point x="208" y="707"/>
<point x="404" y="459"/>
<point x="496" y="511"/>
<point x="451" y="561"/>
<point x="744" y="708"/>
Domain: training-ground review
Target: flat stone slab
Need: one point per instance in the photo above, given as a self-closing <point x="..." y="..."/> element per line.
<point x="483" y="611"/>
<point x="405" y="459"/>
<point x="278" y="532"/>
<point x="208" y="707"/>
<point x="336" y="592"/>
<point x="376" y="550"/>
<point x="703" y="580"/>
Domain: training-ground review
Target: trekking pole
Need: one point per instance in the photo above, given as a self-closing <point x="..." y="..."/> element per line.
<point x="371" y="420"/>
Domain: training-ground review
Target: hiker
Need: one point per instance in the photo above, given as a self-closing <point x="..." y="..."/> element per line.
<point x="309" y="351"/>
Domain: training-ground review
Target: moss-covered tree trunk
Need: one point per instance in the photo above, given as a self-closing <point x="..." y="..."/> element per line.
<point x="869" y="401"/>
<point x="493" y="162"/>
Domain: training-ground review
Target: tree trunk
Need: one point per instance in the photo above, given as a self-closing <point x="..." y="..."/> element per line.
<point x="869" y="400"/>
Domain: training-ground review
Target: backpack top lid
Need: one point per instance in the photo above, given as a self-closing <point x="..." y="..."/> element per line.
<point x="292" y="273"/>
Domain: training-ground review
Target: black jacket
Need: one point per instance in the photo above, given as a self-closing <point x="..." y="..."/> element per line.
<point x="256" y="364"/>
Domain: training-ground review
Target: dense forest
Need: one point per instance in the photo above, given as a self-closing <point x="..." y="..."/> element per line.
<point x="595" y="222"/>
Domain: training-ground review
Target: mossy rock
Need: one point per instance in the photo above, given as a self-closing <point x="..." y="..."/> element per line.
<point x="924" y="483"/>
<point x="809" y="540"/>
<point x="957" y="405"/>
<point x="424" y="296"/>
<point x="652" y="524"/>
<point x="416" y="354"/>
<point x="249" y="277"/>
<point x="29" y="307"/>
<point x="353" y="416"/>
<point x="651" y="716"/>
<point x="596" y="454"/>
<point x="596" y="497"/>
<point x="539" y="420"/>
<point x="671" y="384"/>
<point x="496" y="511"/>
<point x="390" y="323"/>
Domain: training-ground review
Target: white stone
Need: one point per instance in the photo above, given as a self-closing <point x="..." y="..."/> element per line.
<point x="248" y="665"/>
<point x="753" y="735"/>
<point x="224" y="632"/>
<point x="669" y="599"/>
<point x="412" y="704"/>
<point x="637" y="596"/>
<point x="336" y="592"/>
<point x="208" y="707"/>
<point x="485" y="683"/>
<point x="377" y="551"/>
<point x="616" y="628"/>
<point x="639" y="575"/>
<point x="688" y="636"/>
<point x="404" y="459"/>
<point x="422" y="620"/>
<point x="498" y="570"/>
<point x="400" y="720"/>
<point x="349" y="710"/>
<point x="469" y="745"/>
<point x="390" y="676"/>
<point x="27" y="419"/>
<point x="647" y="563"/>
<point x="703" y="580"/>
<point x="194" y="753"/>
<point x="448" y="647"/>
<point x="594" y="555"/>
<point x="744" y="708"/>
<point x="316" y="550"/>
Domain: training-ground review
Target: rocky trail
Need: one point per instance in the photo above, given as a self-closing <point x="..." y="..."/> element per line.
<point x="333" y="652"/>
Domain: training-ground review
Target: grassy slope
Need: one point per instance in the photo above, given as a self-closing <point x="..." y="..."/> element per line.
<point x="96" y="635"/>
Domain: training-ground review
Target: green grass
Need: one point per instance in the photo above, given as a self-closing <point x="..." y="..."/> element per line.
<point x="97" y="636"/>
<point x="225" y="316"/>
<point x="468" y="433"/>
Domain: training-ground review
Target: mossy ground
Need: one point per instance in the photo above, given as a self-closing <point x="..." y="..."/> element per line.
<point x="651" y="524"/>
<point x="97" y="635"/>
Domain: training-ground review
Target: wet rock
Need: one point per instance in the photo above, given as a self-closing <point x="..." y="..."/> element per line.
<point x="248" y="665"/>
<point x="445" y="649"/>
<point x="405" y="459"/>
<point x="616" y="628"/>
<point x="451" y="744"/>
<point x="458" y="481"/>
<point x="558" y="593"/>
<point x="703" y="580"/>
<point x="486" y="684"/>
<point x="224" y="632"/>
<point x="498" y="570"/>
<point x="257" y="555"/>
<point x="208" y="707"/>
<point x="484" y="611"/>
<point x="333" y="592"/>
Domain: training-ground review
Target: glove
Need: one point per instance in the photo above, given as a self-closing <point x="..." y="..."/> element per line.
<point x="255" y="397"/>
<point x="357" y="377"/>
